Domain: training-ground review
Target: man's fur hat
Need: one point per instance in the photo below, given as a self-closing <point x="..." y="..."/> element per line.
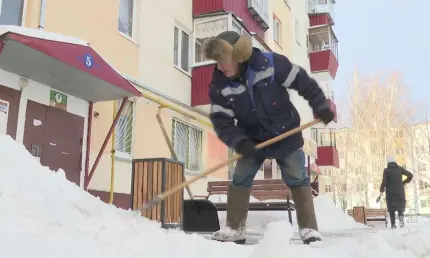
<point x="228" y="45"/>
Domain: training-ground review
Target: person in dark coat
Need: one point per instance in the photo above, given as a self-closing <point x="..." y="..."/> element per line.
<point x="250" y="104"/>
<point x="394" y="186"/>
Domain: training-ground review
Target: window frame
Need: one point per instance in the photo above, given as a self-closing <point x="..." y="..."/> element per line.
<point x="190" y="49"/>
<point x="174" y="137"/>
<point x="297" y="31"/>
<point x="120" y="153"/>
<point x="133" y="22"/>
<point x="277" y="23"/>
<point x="22" y="14"/>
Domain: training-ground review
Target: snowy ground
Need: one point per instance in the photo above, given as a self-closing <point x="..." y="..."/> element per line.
<point x="44" y="215"/>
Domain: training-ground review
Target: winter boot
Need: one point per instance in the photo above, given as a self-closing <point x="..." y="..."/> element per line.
<point x="237" y="213"/>
<point x="393" y="219"/>
<point x="305" y="212"/>
<point x="401" y="220"/>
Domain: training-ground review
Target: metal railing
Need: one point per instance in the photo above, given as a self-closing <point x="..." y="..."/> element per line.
<point x="324" y="136"/>
<point x="321" y="6"/>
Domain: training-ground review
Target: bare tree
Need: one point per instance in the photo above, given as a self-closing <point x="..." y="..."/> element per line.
<point x="378" y="114"/>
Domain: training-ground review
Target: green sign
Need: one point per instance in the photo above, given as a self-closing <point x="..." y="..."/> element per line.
<point x="58" y="100"/>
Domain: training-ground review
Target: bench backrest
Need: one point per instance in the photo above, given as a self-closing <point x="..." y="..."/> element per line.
<point x="261" y="189"/>
<point x="371" y="212"/>
<point x="376" y="212"/>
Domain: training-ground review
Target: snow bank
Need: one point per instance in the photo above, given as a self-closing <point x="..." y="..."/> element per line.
<point x="330" y="217"/>
<point x="44" y="215"/>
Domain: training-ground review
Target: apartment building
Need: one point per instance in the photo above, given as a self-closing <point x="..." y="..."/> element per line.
<point x="165" y="63"/>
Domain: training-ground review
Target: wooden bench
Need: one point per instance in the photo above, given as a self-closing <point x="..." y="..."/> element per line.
<point x="263" y="190"/>
<point x="363" y="215"/>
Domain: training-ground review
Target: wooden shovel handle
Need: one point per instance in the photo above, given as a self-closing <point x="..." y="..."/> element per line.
<point x="163" y="196"/>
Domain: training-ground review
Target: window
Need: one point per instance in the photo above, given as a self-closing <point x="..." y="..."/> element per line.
<point x="181" y="49"/>
<point x="124" y="128"/>
<point x="327" y="188"/>
<point x="421" y="167"/>
<point x="423" y="185"/>
<point x="374" y="148"/>
<point x="11" y="12"/>
<point x="344" y="188"/>
<point x="125" y="18"/>
<point x="419" y="150"/>
<point x="237" y="27"/>
<point x="187" y="143"/>
<point x="297" y="31"/>
<point x="360" y="187"/>
<point x="400" y="134"/>
<point x="400" y="151"/>
<point x="277" y="30"/>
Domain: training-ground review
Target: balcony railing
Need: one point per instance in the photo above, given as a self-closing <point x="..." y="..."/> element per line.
<point x="321" y="6"/>
<point x="323" y="38"/>
<point x="208" y="27"/>
<point x="324" y="137"/>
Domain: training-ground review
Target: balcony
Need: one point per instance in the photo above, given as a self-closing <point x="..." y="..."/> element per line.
<point x="328" y="155"/>
<point x="201" y="77"/>
<point x="253" y="14"/>
<point x="321" y="8"/>
<point x="323" y="52"/>
<point x="202" y="69"/>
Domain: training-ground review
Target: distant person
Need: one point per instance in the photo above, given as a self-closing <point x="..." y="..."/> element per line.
<point x="393" y="184"/>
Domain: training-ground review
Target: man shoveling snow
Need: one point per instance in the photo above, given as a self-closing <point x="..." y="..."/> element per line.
<point x="252" y="87"/>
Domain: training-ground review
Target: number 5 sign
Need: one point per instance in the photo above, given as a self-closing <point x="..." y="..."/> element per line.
<point x="88" y="60"/>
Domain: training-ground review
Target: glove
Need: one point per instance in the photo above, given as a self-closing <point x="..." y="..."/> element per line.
<point x="246" y="148"/>
<point x="326" y="115"/>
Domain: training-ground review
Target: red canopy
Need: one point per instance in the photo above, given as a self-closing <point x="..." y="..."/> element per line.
<point x="64" y="63"/>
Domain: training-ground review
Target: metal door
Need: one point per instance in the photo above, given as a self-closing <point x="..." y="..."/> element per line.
<point x="34" y="129"/>
<point x="4" y="112"/>
<point x="63" y="142"/>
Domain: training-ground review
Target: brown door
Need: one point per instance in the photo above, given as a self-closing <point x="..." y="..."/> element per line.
<point x="13" y="97"/>
<point x="56" y="137"/>
<point x="34" y="130"/>
<point x="63" y="142"/>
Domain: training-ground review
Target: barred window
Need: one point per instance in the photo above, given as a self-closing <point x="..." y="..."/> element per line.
<point x="187" y="142"/>
<point x="124" y="127"/>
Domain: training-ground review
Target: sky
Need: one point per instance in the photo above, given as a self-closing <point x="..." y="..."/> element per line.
<point x="383" y="36"/>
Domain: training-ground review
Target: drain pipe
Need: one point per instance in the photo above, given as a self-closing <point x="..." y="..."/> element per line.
<point x="42" y="14"/>
<point x="88" y="147"/>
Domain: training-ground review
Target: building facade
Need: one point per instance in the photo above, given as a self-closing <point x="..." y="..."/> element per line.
<point x="166" y="64"/>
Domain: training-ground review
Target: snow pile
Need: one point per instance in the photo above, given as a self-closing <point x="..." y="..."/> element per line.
<point x="273" y="244"/>
<point x="44" y="215"/>
<point x="330" y="217"/>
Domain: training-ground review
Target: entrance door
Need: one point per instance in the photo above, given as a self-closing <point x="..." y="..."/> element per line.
<point x="56" y="137"/>
<point x="63" y="142"/>
<point x="4" y="111"/>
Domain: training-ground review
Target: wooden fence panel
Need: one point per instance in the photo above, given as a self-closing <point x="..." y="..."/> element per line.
<point x="151" y="177"/>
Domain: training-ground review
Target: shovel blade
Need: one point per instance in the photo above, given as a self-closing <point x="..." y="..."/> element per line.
<point x="200" y="215"/>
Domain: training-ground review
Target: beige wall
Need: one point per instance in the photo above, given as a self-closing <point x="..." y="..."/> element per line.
<point x="99" y="26"/>
<point x="283" y="12"/>
<point x="156" y="53"/>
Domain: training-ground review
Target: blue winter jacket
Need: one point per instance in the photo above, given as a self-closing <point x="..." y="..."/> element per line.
<point x="258" y="106"/>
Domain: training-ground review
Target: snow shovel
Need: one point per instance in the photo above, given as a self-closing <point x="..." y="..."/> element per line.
<point x="201" y="215"/>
